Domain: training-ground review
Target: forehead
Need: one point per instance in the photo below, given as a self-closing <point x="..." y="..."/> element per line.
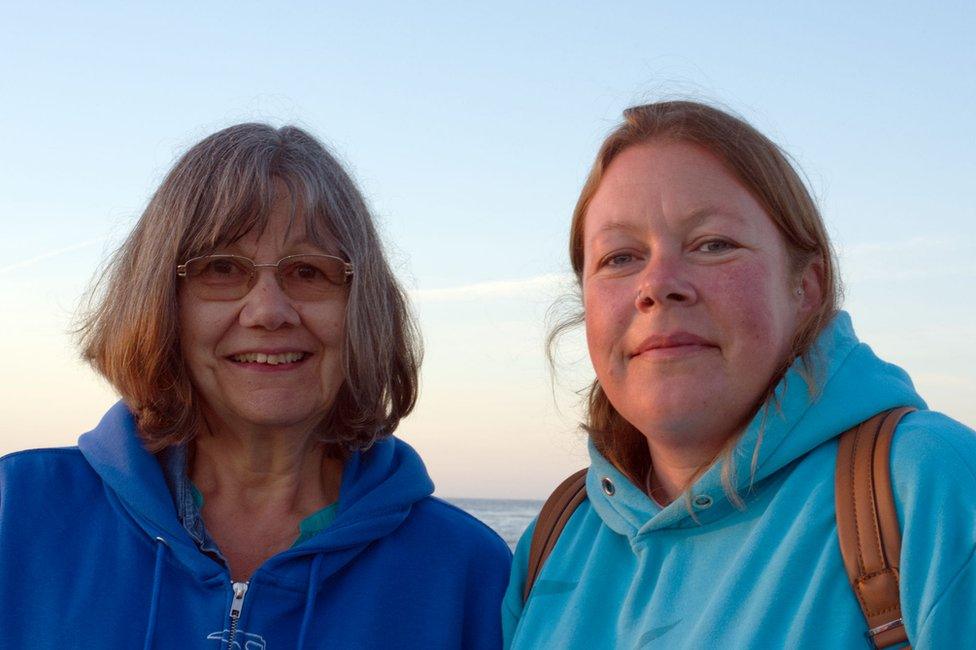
<point x="286" y="233"/>
<point x="679" y="182"/>
<point x="268" y="213"/>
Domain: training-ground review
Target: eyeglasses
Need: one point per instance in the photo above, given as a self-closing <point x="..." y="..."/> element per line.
<point x="307" y="277"/>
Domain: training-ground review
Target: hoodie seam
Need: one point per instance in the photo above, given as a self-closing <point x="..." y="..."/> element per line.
<point x="467" y="516"/>
<point x="952" y="583"/>
<point x="60" y="451"/>
<point x="910" y="422"/>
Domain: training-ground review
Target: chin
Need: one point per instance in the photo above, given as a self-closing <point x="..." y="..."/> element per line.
<point x="279" y="413"/>
<point x="675" y="406"/>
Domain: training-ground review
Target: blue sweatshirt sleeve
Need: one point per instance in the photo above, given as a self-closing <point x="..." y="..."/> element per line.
<point x="933" y="465"/>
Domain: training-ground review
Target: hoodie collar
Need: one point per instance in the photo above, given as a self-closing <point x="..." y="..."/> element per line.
<point x="853" y="383"/>
<point x="133" y="476"/>
<point x="379" y="487"/>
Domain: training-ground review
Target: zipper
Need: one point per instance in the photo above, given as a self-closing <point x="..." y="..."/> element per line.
<point x="240" y="588"/>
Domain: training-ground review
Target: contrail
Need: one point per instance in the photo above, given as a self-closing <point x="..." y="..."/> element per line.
<point x="48" y="255"/>
<point x="493" y="289"/>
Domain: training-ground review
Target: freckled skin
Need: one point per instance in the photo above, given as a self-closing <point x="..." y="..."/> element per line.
<point x="669" y="220"/>
<point x="238" y="399"/>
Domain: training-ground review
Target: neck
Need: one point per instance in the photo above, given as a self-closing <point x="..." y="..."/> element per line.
<point x="674" y="469"/>
<point x="287" y="471"/>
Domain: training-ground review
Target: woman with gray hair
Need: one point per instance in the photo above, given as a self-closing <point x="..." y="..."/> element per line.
<point x="246" y="492"/>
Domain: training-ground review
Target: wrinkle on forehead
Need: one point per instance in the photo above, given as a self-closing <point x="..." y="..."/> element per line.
<point x="693" y="218"/>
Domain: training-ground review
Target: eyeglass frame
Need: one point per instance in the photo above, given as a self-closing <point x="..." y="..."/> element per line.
<point x="181" y="269"/>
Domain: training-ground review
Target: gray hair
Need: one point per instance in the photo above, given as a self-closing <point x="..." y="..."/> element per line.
<point x="219" y="190"/>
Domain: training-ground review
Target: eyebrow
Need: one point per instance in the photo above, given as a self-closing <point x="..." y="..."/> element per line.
<point x="701" y="214"/>
<point x="300" y="242"/>
<point x="237" y="249"/>
<point x="616" y="225"/>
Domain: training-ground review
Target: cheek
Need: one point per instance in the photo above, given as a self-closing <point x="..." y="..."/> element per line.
<point x="327" y="324"/>
<point x="608" y="313"/>
<point x="191" y="328"/>
<point x="201" y="328"/>
<point x="747" y="305"/>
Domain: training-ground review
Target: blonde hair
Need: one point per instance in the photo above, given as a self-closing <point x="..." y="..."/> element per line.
<point x="221" y="189"/>
<point x="762" y="168"/>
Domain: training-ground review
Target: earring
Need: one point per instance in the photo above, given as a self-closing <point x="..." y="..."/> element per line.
<point x="799" y="291"/>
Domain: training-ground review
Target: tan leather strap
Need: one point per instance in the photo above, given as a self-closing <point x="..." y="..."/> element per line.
<point x="867" y="524"/>
<point x="556" y="511"/>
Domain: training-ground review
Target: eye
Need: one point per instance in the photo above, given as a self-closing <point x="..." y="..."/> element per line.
<point x="213" y="269"/>
<point x="308" y="272"/>
<point x="715" y="246"/>
<point x="222" y="267"/>
<point x="618" y="260"/>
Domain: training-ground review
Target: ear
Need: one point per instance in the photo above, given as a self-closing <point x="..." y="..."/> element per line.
<point x="812" y="286"/>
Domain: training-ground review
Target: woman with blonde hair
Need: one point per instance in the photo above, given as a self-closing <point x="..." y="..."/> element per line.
<point x="726" y="375"/>
<point x="246" y="492"/>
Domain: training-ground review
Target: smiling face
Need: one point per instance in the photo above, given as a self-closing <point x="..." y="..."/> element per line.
<point x="690" y="305"/>
<point x="265" y="361"/>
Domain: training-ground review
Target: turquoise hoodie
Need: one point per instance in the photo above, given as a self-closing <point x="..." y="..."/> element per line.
<point x="627" y="573"/>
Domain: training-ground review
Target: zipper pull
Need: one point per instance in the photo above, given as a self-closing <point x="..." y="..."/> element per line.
<point x="240" y="588"/>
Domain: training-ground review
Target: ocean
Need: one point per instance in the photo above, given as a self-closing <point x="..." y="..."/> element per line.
<point x="507" y="517"/>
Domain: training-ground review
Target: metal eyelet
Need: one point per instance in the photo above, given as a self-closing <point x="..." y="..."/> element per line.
<point x="702" y="502"/>
<point x="607" y="485"/>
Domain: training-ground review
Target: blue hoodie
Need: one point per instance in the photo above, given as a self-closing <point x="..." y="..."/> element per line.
<point x="627" y="573"/>
<point x="92" y="555"/>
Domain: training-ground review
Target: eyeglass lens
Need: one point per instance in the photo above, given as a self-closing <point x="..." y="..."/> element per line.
<point x="301" y="277"/>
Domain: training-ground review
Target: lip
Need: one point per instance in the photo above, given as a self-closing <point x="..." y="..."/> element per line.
<point x="254" y="366"/>
<point x="267" y="351"/>
<point x="673" y="344"/>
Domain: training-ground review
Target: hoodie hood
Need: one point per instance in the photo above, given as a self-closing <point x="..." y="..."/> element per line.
<point x="852" y="385"/>
<point x="379" y="487"/>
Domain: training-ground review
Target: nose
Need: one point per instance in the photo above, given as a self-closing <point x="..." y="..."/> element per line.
<point x="266" y="305"/>
<point x="664" y="282"/>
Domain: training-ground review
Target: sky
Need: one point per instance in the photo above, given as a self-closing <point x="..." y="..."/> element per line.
<point x="470" y="128"/>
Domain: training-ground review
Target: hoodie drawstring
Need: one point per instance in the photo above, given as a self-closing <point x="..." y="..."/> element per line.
<point x="313" y="588"/>
<point x="154" y="602"/>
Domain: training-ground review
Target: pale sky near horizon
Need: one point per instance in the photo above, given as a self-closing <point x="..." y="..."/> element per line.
<point x="470" y="130"/>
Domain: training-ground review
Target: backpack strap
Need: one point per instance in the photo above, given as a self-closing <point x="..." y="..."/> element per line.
<point x="556" y="511"/>
<point x="867" y="524"/>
